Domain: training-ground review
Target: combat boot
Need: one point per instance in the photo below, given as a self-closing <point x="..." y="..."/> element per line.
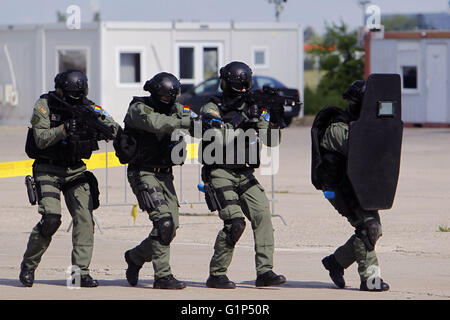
<point x="220" y="282"/>
<point x="383" y="286"/>
<point x="26" y="276"/>
<point x="335" y="270"/>
<point x="269" y="278"/>
<point x="86" y="281"/>
<point x="168" y="282"/>
<point x="132" y="272"/>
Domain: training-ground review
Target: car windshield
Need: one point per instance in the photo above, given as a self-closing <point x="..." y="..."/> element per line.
<point x="259" y="82"/>
<point x="210" y="86"/>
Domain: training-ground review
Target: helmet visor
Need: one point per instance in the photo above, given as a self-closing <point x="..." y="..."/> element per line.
<point x="168" y="99"/>
<point x="75" y="94"/>
<point x="239" y="85"/>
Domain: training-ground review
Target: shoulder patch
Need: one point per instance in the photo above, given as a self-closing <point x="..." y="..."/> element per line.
<point x="41" y="109"/>
<point x="265" y="114"/>
<point x="97" y="108"/>
<point x="147" y="109"/>
<point x="35" y="119"/>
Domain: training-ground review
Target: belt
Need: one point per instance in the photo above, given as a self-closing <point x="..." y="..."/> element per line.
<point x="156" y="170"/>
<point x="58" y="163"/>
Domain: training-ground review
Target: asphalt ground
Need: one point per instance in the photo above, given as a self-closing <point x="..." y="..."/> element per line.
<point x="413" y="253"/>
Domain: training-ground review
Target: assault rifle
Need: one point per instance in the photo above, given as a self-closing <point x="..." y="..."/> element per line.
<point x="89" y="119"/>
<point x="270" y="99"/>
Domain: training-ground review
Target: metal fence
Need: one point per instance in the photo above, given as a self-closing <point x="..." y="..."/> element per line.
<point x="181" y="200"/>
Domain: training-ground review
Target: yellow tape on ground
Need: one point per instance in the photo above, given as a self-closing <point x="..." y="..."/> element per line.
<point x="192" y="151"/>
<point x="97" y="160"/>
<point x="15" y="168"/>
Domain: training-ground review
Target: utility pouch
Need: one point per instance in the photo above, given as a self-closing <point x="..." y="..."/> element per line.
<point x="31" y="190"/>
<point x="31" y="149"/>
<point x="125" y="145"/>
<point x="93" y="187"/>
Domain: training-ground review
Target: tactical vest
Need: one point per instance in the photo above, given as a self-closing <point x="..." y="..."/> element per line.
<point x="250" y="155"/>
<point x="153" y="150"/>
<point x="322" y="121"/>
<point x="66" y="152"/>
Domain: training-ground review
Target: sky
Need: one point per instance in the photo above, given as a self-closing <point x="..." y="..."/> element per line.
<point x="305" y="12"/>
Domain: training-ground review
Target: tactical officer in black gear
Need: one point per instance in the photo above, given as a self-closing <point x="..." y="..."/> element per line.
<point x="354" y="95"/>
<point x="330" y="133"/>
<point x="237" y="192"/>
<point x="58" y="142"/>
<point x="150" y="122"/>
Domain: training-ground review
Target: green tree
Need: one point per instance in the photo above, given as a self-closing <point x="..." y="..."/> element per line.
<point x="60" y="17"/>
<point x="399" y="23"/>
<point x="96" y="17"/>
<point x="342" y="62"/>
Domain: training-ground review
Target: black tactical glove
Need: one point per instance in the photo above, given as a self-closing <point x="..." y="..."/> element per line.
<point x="254" y="112"/>
<point x="210" y="121"/>
<point x="238" y="120"/>
<point x="70" y="126"/>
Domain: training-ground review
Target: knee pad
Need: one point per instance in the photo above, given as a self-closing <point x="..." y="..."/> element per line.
<point x="166" y="230"/>
<point x="235" y="231"/>
<point x="369" y="233"/>
<point x="49" y="224"/>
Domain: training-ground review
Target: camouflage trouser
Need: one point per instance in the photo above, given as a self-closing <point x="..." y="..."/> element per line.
<point x="355" y="249"/>
<point x="151" y="248"/>
<point x="254" y="205"/>
<point x="79" y="203"/>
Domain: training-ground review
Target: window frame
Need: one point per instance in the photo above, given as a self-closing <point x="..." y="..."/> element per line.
<point x="198" y="59"/>
<point x="266" y="64"/>
<point x="141" y="52"/>
<point x="409" y="46"/>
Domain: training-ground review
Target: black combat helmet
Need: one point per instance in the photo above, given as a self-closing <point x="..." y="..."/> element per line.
<point x="164" y="87"/>
<point x="72" y="83"/>
<point x="235" y="76"/>
<point x="354" y="95"/>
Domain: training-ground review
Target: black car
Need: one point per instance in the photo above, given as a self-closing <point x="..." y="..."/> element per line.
<point x="199" y="95"/>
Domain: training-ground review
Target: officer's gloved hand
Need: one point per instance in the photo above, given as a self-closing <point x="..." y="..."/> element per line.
<point x="70" y="126"/>
<point x="254" y="112"/>
<point x="238" y="120"/>
<point x="209" y="121"/>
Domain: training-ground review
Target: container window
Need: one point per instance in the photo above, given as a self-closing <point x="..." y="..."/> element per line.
<point x="130" y="67"/>
<point x="409" y="77"/>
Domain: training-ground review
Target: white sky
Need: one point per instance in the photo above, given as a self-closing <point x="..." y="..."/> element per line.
<point x="306" y="12"/>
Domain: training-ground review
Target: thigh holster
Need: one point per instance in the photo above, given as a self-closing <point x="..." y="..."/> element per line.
<point x="33" y="196"/>
<point x="240" y="190"/>
<point x="243" y="188"/>
<point x="215" y="197"/>
<point x="211" y="198"/>
<point x="148" y="199"/>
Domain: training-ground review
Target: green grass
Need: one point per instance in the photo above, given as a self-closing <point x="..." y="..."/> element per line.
<point x="444" y="229"/>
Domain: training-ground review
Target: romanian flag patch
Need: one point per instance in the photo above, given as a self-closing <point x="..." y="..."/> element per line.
<point x="97" y="108"/>
<point x="265" y="115"/>
<point x="186" y="109"/>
